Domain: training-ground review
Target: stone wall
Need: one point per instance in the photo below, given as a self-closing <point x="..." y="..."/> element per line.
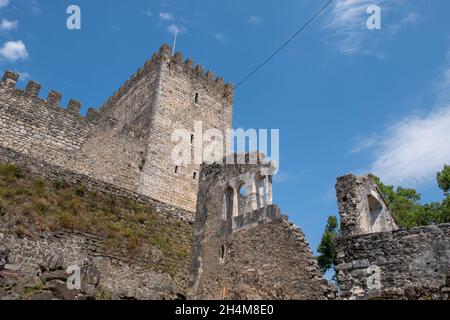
<point x="39" y="265"/>
<point x="411" y="264"/>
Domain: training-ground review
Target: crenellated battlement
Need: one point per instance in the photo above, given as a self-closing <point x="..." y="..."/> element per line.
<point x="198" y="71"/>
<point x="32" y="90"/>
<point x="207" y="78"/>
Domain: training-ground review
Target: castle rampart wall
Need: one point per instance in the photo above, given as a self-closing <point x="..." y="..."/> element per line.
<point x="40" y="127"/>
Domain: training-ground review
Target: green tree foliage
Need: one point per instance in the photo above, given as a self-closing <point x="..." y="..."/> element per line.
<point x="406" y="207"/>
<point x="327" y="258"/>
<point x="443" y="179"/>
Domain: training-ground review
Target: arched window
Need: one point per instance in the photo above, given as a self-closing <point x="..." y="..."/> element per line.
<point x="229" y="203"/>
<point x="375" y="209"/>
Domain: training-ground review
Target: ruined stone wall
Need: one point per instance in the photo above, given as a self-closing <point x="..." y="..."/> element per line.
<point x="378" y="261"/>
<point x="253" y="255"/>
<point x="412" y="264"/>
<point x="362" y="207"/>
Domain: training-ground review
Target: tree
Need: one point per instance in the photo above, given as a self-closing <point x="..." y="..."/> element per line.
<point x="443" y="179"/>
<point x="327" y="258"/>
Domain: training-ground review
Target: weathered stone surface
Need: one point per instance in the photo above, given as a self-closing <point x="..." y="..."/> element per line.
<point x="362" y="207"/>
<point x="52" y="262"/>
<point x="43" y="296"/>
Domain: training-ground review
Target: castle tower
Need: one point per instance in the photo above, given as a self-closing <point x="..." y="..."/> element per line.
<point x="243" y="247"/>
<point x="362" y="207"/>
<point x="136" y="125"/>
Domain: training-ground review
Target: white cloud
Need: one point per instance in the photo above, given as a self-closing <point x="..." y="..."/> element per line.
<point x="13" y="51"/>
<point x="24" y="76"/>
<point x="166" y="16"/>
<point x="35" y="8"/>
<point x="8" y="25"/>
<point x="173" y="28"/>
<point x="220" y="37"/>
<point x="254" y="20"/>
<point x="413" y="150"/>
<point x="4" y="3"/>
<point x="347" y="24"/>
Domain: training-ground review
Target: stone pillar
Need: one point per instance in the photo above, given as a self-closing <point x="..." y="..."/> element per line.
<point x="269" y="194"/>
<point x="252" y="196"/>
<point x="235" y="202"/>
<point x="260" y="190"/>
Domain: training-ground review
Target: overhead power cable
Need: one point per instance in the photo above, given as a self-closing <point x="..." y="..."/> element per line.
<point x="268" y="59"/>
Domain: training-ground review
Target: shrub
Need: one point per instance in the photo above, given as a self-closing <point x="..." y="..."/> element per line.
<point x="10" y="170"/>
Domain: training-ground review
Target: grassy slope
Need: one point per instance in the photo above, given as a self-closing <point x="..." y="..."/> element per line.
<point x="32" y="205"/>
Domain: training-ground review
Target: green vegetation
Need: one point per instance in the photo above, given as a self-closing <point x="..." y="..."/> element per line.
<point x="406" y="208"/>
<point x="32" y="205"/>
<point x="327" y="258"/>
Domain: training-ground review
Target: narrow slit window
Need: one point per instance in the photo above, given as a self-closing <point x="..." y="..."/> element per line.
<point x="222" y="255"/>
<point x="196" y="97"/>
<point x="195" y="176"/>
<point x="192" y="138"/>
<point x="176" y="169"/>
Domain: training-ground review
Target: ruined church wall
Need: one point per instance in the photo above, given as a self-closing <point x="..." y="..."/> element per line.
<point x="409" y="263"/>
<point x="257" y="255"/>
<point x="272" y="261"/>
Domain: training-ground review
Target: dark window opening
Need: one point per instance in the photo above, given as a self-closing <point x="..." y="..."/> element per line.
<point x="196" y="97"/>
<point x="195" y="176"/>
<point x="192" y="138"/>
<point x="176" y="169"/>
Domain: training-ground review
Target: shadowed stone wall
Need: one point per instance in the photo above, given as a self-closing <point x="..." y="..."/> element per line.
<point x="412" y="264"/>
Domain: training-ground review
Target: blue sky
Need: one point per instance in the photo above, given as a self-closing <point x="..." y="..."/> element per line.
<point x="345" y="98"/>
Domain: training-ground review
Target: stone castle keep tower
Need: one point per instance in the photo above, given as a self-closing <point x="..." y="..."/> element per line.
<point x="127" y="142"/>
